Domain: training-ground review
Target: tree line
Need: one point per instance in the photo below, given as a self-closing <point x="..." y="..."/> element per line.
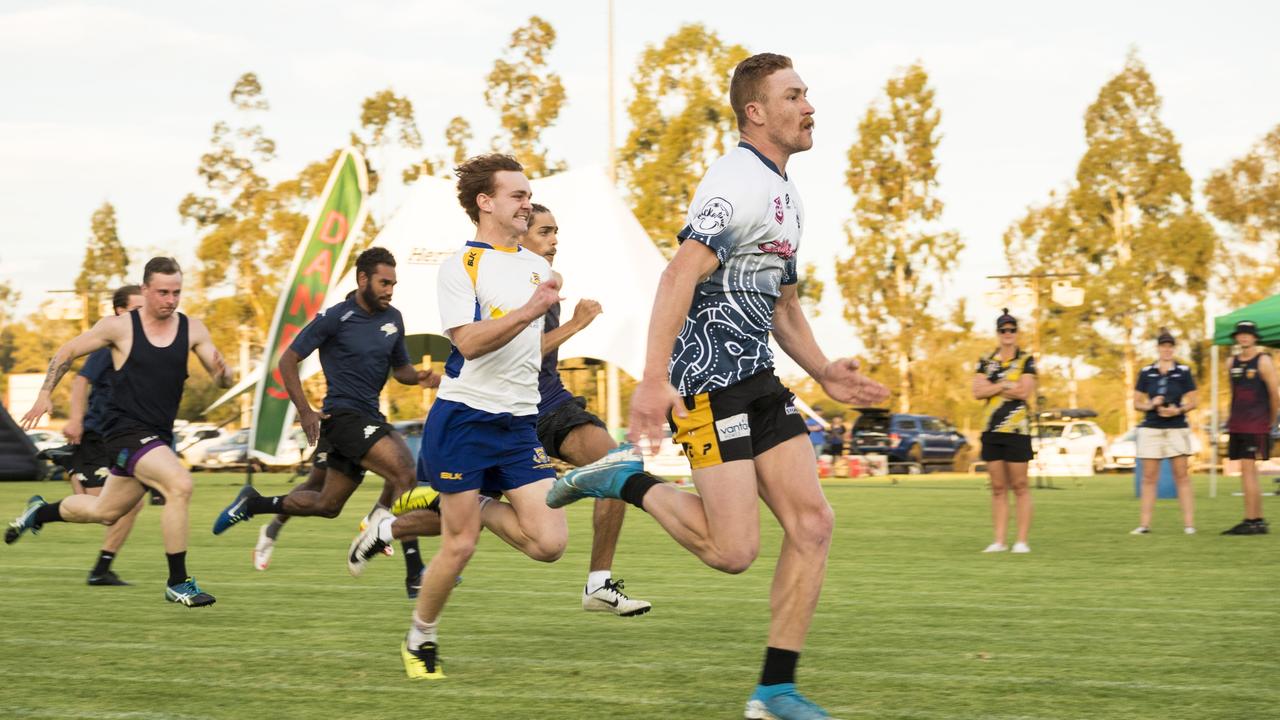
<point x="1129" y="223"/>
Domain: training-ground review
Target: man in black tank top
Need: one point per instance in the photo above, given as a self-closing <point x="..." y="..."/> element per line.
<point x="149" y="348"/>
<point x="1255" y="400"/>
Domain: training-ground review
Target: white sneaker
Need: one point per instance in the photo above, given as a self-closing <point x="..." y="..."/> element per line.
<point x="996" y="547"/>
<point x="262" y="551"/>
<point x="610" y="598"/>
<point x="367" y="544"/>
<point x="1189" y="531"/>
<point x="389" y="550"/>
<point x="1021" y="548"/>
<point x="1140" y="530"/>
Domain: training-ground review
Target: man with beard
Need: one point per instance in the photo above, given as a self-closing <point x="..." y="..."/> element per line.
<point x="360" y="340"/>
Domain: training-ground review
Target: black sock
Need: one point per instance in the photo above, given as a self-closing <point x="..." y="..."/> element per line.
<point x="275" y="526"/>
<point x="177" y="567"/>
<point x="104" y="562"/>
<point x="50" y="513"/>
<point x="636" y="486"/>
<point x="413" y="566"/>
<point x="779" y="666"/>
<point x="258" y="505"/>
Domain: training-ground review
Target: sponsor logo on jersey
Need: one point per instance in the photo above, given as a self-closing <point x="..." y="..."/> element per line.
<point x="733" y="427"/>
<point x="791" y="409"/>
<point x="714" y="216"/>
<point x="346" y="315"/>
<point x="496" y="312"/>
<point x="540" y="457"/>
<point x="388" y="328"/>
<point x="781" y="248"/>
<point x="1250" y="374"/>
<point x="777" y="210"/>
<point x="535" y="278"/>
<point x="450" y="476"/>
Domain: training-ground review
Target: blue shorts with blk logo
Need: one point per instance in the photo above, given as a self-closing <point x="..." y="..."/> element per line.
<point x="468" y="449"/>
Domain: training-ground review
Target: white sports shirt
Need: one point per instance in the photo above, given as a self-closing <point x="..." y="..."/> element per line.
<point x="481" y="282"/>
<point x="751" y="216"/>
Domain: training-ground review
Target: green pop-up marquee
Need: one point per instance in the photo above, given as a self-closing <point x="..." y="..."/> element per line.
<point x="1266" y="313"/>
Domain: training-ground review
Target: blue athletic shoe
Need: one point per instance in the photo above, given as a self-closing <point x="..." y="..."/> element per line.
<point x="188" y="593"/>
<point x="602" y="478"/>
<point x="235" y="512"/>
<point x="24" y="522"/>
<point x="782" y="702"/>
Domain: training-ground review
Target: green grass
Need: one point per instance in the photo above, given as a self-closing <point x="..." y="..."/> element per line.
<point x="914" y="621"/>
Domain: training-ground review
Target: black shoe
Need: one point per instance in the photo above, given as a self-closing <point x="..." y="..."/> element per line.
<point x="412" y="585"/>
<point x="1245" y="527"/>
<point x="106" y="578"/>
<point x="1261" y="527"/>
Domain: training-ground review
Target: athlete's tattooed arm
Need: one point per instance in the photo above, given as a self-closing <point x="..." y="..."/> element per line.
<point x="101" y="335"/>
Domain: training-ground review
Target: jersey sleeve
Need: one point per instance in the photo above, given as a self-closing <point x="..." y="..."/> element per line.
<point x="399" y="353"/>
<point x="321" y="328"/>
<point x="1141" y="385"/>
<point x="1191" y="380"/>
<point x="1029" y="367"/>
<point x="97" y="364"/>
<point x="459" y="304"/>
<point x="725" y="211"/>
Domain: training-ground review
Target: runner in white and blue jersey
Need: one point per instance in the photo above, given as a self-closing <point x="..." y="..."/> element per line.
<point x="481" y="435"/>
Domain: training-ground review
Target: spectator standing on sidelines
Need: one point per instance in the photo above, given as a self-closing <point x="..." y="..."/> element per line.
<point x="1166" y="392"/>
<point x="1255" y="399"/>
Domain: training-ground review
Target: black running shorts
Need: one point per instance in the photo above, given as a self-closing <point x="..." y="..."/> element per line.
<point x="555" y="424"/>
<point x="739" y="422"/>
<point x="127" y="448"/>
<point x="349" y="435"/>
<point x="90" y="460"/>
<point x="1009" y="447"/>
<point x="1248" y="446"/>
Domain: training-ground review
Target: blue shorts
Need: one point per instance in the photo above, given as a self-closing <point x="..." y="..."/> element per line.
<point x="468" y="449"/>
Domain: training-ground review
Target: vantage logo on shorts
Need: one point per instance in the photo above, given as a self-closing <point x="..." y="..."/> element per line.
<point x="732" y="428"/>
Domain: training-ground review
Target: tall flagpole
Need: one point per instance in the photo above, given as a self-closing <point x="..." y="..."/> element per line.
<point x="613" y="404"/>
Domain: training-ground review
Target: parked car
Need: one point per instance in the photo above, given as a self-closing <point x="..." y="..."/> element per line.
<point x="1082" y="440"/>
<point x="233" y="454"/>
<point x="192" y="442"/>
<point x="47" y="439"/>
<point x="922" y="440"/>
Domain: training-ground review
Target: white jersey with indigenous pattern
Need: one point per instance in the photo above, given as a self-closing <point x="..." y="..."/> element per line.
<point x="751" y="216"/>
<point x="481" y="282"/>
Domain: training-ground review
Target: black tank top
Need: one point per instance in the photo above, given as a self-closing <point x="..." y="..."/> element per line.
<point x="146" y="391"/>
<point x="1250" y="403"/>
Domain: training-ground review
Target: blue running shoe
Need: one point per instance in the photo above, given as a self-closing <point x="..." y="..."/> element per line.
<point x="602" y="478"/>
<point x="236" y="512"/>
<point x="188" y="593"/>
<point x="24" y="522"/>
<point x="782" y="702"/>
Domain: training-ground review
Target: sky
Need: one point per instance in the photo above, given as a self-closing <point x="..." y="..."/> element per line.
<point x="115" y="101"/>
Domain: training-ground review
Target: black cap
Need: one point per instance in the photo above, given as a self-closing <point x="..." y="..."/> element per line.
<point x="1246" y="326"/>
<point x="1165" y="337"/>
<point x="1006" y="319"/>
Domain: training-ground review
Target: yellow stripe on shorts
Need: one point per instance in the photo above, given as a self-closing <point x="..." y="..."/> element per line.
<point x="697" y="433"/>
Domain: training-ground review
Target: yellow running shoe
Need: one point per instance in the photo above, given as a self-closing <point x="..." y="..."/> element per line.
<point x="421" y="663"/>
<point x="421" y="497"/>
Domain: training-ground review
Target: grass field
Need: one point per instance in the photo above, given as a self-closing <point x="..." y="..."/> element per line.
<point x="914" y="621"/>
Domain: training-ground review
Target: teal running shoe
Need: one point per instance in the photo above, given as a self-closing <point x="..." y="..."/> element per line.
<point x="782" y="702"/>
<point x="188" y="593"/>
<point x="236" y="512"/>
<point x="24" y="522"/>
<point x="602" y="479"/>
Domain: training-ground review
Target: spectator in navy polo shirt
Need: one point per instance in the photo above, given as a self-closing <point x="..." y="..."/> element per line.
<point x="1166" y="392"/>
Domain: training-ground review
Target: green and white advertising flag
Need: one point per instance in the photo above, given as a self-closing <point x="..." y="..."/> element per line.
<point x="317" y="267"/>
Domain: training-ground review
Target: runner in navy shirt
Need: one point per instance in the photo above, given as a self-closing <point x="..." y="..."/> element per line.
<point x="361" y="341"/>
<point x="567" y="431"/>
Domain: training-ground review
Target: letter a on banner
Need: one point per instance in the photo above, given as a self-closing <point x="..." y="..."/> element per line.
<point x="316" y="268"/>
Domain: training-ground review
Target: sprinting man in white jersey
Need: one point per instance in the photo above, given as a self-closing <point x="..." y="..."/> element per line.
<point x="709" y="369"/>
<point x="480" y="434"/>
